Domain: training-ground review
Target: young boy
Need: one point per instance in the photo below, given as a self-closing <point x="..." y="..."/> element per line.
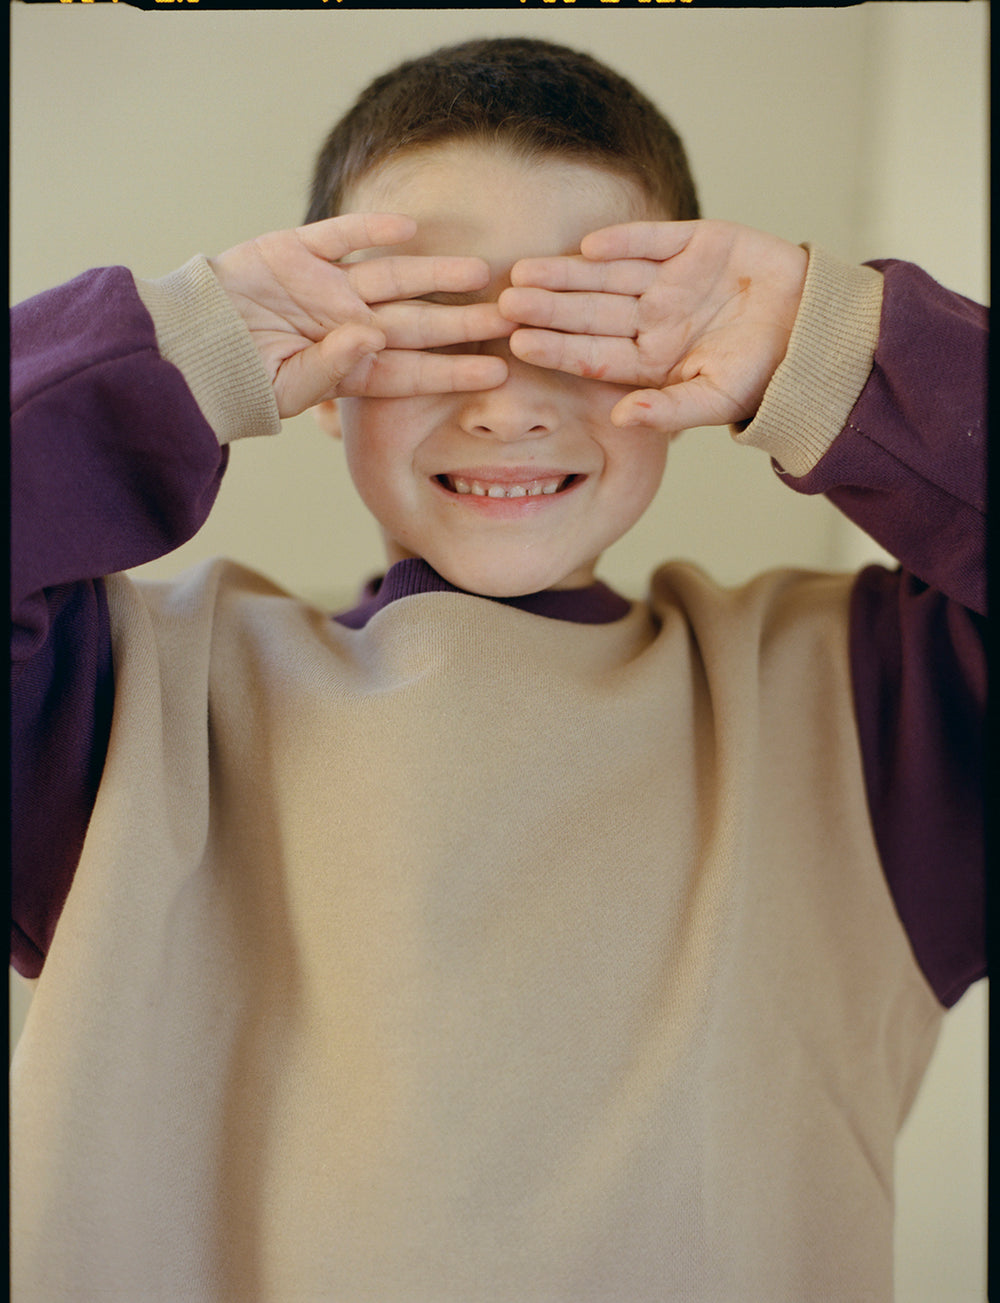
<point x="500" y="939"/>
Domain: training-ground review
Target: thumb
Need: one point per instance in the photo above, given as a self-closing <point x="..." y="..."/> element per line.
<point x="677" y="407"/>
<point x="314" y="373"/>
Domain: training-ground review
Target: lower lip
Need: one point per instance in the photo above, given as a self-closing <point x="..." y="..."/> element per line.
<point x="507" y="508"/>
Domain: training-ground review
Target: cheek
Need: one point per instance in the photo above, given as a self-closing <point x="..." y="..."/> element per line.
<point x="374" y="432"/>
<point x="598" y="397"/>
<point x="381" y="437"/>
<point x="635" y="463"/>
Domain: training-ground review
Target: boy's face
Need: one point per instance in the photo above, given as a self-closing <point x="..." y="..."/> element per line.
<point x="519" y="488"/>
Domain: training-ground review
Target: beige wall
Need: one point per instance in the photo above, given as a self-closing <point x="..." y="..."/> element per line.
<point x="142" y="138"/>
<point x="924" y="198"/>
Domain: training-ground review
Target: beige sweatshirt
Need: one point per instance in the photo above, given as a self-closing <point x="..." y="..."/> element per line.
<point x="472" y="956"/>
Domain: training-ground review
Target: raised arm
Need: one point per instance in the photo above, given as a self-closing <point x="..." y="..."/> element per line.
<point x="875" y="399"/>
<point x="908" y="466"/>
<point x="112" y="463"/>
<point x="866" y="384"/>
<point x="880" y="405"/>
<point x="126" y="396"/>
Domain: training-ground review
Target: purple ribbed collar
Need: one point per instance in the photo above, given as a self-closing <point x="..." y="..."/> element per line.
<point x="596" y="604"/>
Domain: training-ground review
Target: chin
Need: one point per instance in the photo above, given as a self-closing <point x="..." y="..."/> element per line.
<point x="490" y="586"/>
<point x="486" y="582"/>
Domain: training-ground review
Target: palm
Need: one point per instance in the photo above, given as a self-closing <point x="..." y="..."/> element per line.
<point x="668" y="309"/>
<point x="325" y="327"/>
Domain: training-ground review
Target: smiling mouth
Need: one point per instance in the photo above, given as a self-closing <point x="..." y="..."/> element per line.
<point x="534" y="488"/>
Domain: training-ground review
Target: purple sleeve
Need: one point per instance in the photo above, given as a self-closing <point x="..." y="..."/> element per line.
<point x="919" y="670"/>
<point x="910" y="469"/>
<point x="112" y="464"/>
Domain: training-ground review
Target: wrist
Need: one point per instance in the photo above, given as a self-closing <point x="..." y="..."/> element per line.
<point x="809" y="398"/>
<point x="200" y="331"/>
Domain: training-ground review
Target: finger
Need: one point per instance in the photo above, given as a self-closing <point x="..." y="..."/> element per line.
<point x="381" y="280"/>
<point x="584" y="312"/>
<point x="335" y="237"/>
<point x="594" y="357"/>
<point x="426" y="325"/>
<point x="628" y="276"/>
<point x="655" y="240"/>
<point x="404" y="373"/>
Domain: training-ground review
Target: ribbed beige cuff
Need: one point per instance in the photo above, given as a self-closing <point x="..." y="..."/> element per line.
<point x="201" y="333"/>
<point x="829" y="358"/>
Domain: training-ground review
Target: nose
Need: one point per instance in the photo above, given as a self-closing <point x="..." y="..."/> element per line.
<point x="525" y="406"/>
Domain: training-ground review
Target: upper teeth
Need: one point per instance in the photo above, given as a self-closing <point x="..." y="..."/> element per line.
<point x="530" y="489"/>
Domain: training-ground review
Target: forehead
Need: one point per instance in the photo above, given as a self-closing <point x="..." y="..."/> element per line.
<point x="485" y="201"/>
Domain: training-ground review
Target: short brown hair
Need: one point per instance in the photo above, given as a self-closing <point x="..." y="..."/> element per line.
<point x="529" y="95"/>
